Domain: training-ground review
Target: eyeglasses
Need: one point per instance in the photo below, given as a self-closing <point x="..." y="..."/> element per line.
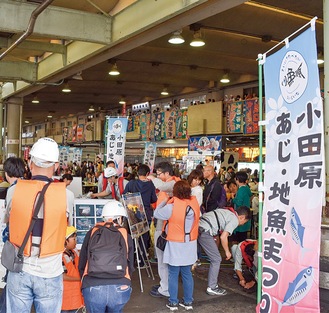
<point x="159" y="173"/>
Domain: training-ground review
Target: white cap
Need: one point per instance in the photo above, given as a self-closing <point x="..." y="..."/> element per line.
<point x="109" y="172"/>
<point x="113" y="209"/>
<point x="44" y="152"/>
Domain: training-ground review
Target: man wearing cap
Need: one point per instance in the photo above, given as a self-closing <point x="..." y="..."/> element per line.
<point x="40" y="282"/>
<point x="102" y="180"/>
<point x="115" y="185"/>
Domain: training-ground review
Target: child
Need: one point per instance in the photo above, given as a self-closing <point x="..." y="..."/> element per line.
<point x="72" y="297"/>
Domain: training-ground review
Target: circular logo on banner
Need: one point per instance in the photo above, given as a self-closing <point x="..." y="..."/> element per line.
<point x="117" y="126"/>
<point x="293" y="76"/>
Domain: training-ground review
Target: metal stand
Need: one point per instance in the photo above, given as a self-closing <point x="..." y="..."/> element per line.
<point x="146" y="261"/>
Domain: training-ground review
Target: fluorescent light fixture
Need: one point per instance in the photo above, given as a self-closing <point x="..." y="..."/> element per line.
<point x="91" y="108"/>
<point x="122" y="101"/>
<point x="114" y="70"/>
<point x="176" y="38"/>
<point x="164" y="92"/>
<point x="225" y="79"/>
<point x="35" y="100"/>
<point x="197" y="39"/>
<point x="66" y="88"/>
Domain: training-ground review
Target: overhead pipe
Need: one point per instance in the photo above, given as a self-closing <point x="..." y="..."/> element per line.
<point x="29" y="29"/>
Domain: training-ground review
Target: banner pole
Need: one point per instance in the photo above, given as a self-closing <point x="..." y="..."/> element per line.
<point x="260" y="194"/>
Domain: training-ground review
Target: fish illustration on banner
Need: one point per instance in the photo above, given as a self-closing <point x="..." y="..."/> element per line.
<point x="115" y="141"/>
<point x="298" y="289"/>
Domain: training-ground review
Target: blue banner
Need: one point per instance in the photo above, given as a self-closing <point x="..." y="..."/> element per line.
<point x="294" y="178"/>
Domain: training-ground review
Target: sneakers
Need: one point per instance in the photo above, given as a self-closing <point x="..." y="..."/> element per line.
<point x="156" y="294"/>
<point x="186" y="306"/>
<point x="216" y="291"/>
<point x="172" y="306"/>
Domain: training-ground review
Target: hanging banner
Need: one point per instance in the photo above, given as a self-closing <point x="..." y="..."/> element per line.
<point x="149" y="155"/>
<point x="116" y="141"/>
<point x="234" y="117"/>
<point x="251" y="116"/>
<point x="294" y="178"/>
<point x="169" y="124"/>
<point x="159" y="119"/>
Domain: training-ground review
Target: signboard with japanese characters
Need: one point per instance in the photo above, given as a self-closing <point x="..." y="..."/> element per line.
<point x="294" y="178"/>
<point x="115" y="141"/>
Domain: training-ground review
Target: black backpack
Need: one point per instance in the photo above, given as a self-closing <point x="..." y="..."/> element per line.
<point x="107" y="251"/>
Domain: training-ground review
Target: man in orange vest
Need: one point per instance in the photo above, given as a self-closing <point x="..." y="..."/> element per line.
<point x="164" y="182"/>
<point x="102" y="180"/>
<point x="40" y="282"/>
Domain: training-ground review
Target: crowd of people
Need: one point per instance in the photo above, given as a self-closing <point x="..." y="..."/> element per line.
<point x="205" y="214"/>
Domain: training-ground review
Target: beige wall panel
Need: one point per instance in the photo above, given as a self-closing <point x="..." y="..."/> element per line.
<point x="205" y="119"/>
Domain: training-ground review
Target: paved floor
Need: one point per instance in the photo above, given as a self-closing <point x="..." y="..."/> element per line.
<point x="235" y="301"/>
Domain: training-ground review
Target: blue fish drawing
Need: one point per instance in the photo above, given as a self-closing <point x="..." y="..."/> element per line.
<point x="298" y="289"/>
<point x="297" y="230"/>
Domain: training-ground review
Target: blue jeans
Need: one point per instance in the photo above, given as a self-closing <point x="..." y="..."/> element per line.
<point x="188" y="283"/>
<point x="107" y="298"/>
<point x="24" y="289"/>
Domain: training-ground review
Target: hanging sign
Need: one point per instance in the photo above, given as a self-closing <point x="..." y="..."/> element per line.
<point x="116" y="141"/>
<point x="149" y="154"/>
<point x="294" y="178"/>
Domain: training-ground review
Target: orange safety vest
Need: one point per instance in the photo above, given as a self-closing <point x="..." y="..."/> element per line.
<point x="124" y="233"/>
<point x="72" y="297"/>
<point x="176" y="223"/>
<point x="246" y="257"/>
<point x="121" y="189"/>
<point x="162" y="195"/>
<point x="54" y="216"/>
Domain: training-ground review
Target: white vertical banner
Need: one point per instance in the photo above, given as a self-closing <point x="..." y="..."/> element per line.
<point x="149" y="154"/>
<point x="116" y="141"/>
<point x="294" y="178"/>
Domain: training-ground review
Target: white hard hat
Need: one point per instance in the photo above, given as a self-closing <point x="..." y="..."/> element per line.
<point x="109" y="172"/>
<point x="113" y="209"/>
<point x="46" y="150"/>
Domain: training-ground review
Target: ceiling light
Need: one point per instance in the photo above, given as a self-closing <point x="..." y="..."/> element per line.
<point x="164" y="92"/>
<point x="27" y="122"/>
<point x="77" y="76"/>
<point x="176" y="38"/>
<point x="197" y="39"/>
<point x="225" y="79"/>
<point x="122" y="101"/>
<point x="49" y="115"/>
<point x="91" y="108"/>
<point x="114" y="70"/>
<point x="66" y="88"/>
<point x="35" y="100"/>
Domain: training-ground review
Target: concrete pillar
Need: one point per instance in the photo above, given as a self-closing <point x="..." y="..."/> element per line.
<point x="14" y="126"/>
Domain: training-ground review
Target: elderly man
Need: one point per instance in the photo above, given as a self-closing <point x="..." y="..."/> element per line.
<point x="214" y="195"/>
<point x="40" y="282"/>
